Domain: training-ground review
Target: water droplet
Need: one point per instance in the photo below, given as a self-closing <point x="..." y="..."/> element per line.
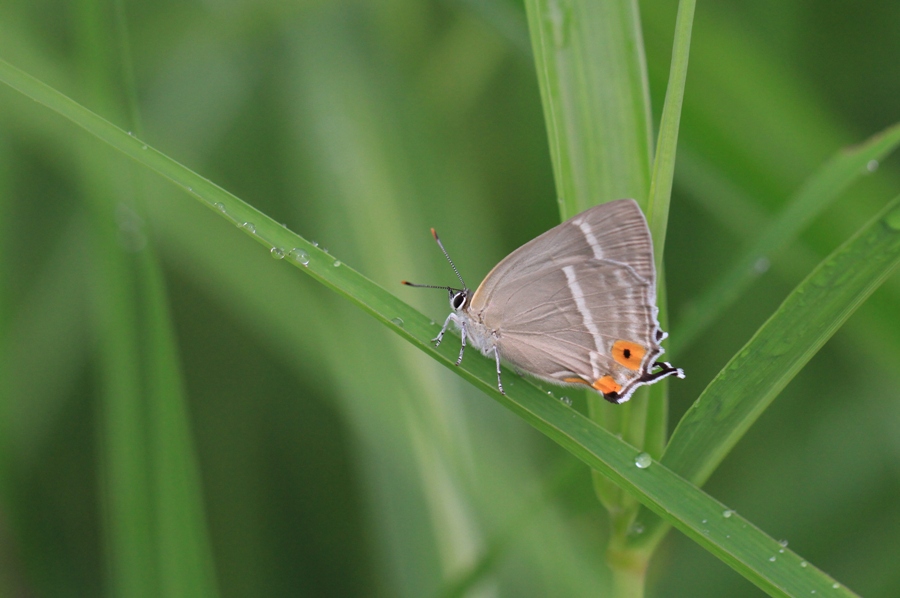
<point x="803" y="563"/>
<point x="277" y="253"/>
<point x="727" y="513"/>
<point x="872" y="165"/>
<point x="761" y="265"/>
<point x="298" y="255"/>
<point x="637" y="528"/>
<point x="397" y="322"/>
<point x="337" y="263"/>
<point x="143" y="147"/>
<point x="315" y="243"/>
<point x="249" y="227"/>
<point x="704" y="521"/>
<point x="130" y="134"/>
<point x="781" y="550"/>
<point x="783" y="543"/>
<point x="220" y="206"/>
<point x="835" y="585"/>
<point x="728" y="536"/>
<point x="772" y="559"/>
<point x="566" y="401"/>
<point x="643" y="460"/>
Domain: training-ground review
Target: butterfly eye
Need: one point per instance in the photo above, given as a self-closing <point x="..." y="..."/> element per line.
<point x="458" y="300"/>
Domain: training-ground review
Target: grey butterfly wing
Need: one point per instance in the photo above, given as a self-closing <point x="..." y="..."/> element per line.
<point x="615" y="231"/>
<point x="578" y="303"/>
<point x="587" y="322"/>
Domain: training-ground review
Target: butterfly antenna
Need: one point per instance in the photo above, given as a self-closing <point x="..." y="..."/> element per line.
<point x="425" y="286"/>
<point x="447" y="255"/>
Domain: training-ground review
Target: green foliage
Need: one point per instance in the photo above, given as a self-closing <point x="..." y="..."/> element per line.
<point x="256" y="426"/>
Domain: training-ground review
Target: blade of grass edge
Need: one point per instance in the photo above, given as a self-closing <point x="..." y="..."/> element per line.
<point x="185" y="561"/>
<point x="818" y="192"/>
<point x="751" y="380"/>
<point x="664" y="161"/>
<point x="731" y="538"/>
<point x="8" y="577"/>
<point x="660" y="196"/>
<point x="123" y="453"/>
<point x="184" y="551"/>
<point x="591" y="71"/>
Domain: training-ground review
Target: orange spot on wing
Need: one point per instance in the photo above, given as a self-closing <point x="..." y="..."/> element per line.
<point x="606" y="385"/>
<point x="628" y="354"/>
<point x="576" y="381"/>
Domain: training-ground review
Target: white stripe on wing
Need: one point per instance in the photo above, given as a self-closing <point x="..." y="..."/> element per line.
<point x="586" y="318"/>
<point x="590" y="238"/>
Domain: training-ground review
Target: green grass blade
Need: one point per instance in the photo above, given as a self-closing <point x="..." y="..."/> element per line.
<point x="128" y="144"/>
<point x="5" y="345"/>
<point x="816" y="194"/>
<point x="664" y="162"/>
<point x="156" y="507"/>
<point x="809" y="316"/>
<point x="702" y="518"/>
<point x="590" y="64"/>
<point x="656" y="419"/>
<point x="184" y="554"/>
<point x="794" y="333"/>
<point x="124" y="453"/>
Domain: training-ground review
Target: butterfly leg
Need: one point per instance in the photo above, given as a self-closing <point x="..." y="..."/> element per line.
<point x="437" y="340"/>
<point x="462" y="328"/>
<point x="462" y="347"/>
<point x="499" y="381"/>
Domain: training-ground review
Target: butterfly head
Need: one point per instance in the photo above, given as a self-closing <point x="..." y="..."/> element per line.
<point x="459" y="299"/>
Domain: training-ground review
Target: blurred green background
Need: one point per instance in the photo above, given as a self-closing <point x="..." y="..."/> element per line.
<point x="334" y="459"/>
